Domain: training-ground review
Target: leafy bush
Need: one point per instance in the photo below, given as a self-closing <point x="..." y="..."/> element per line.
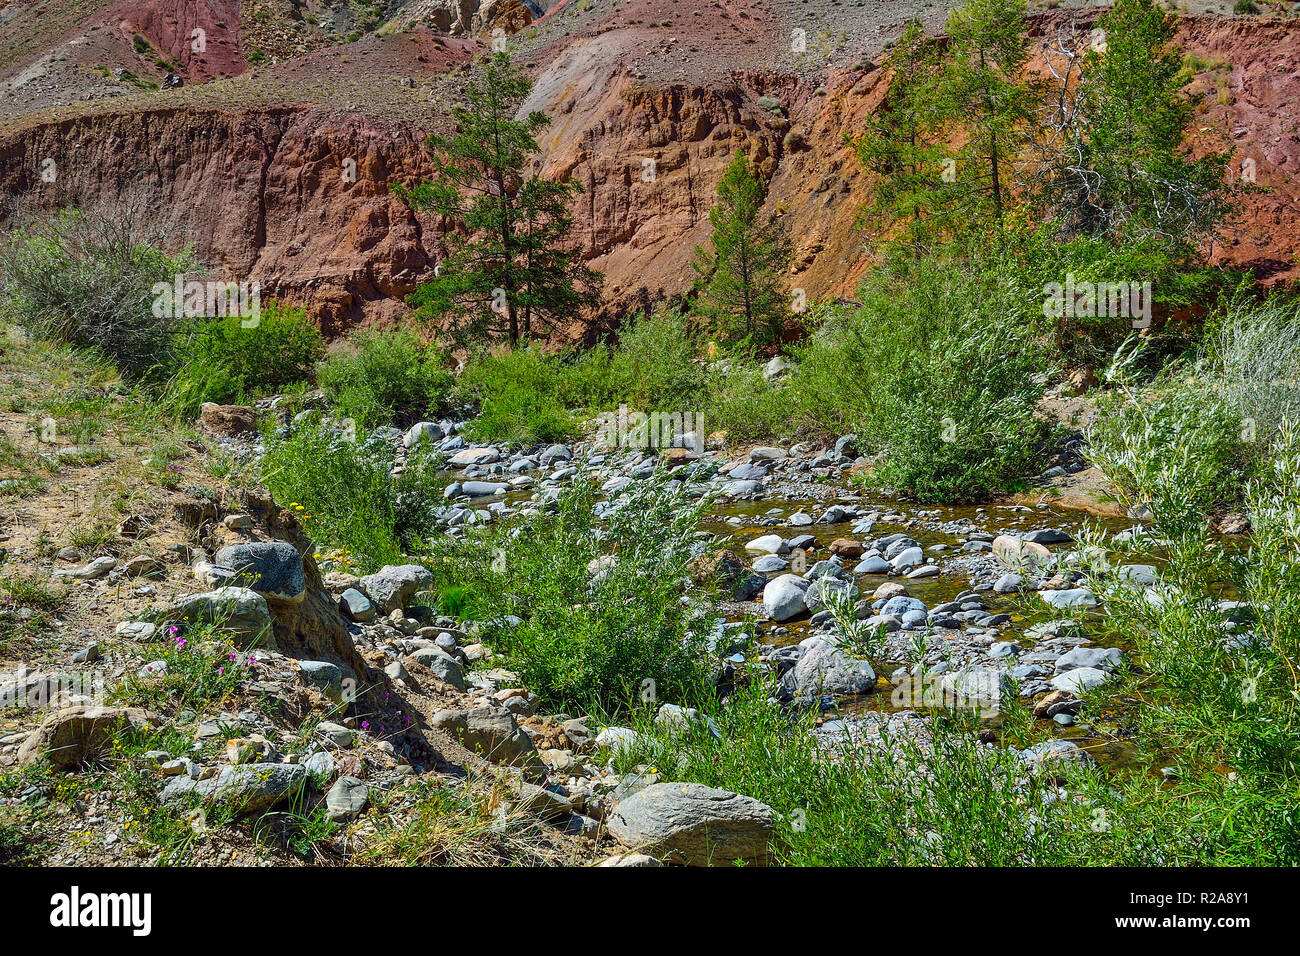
<point x="589" y="639"/>
<point x="86" y="278"/>
<point x="348" y="496"/>
<point x="1225" y="692"/>
<point x="519" y="395"/>
<point x="384" y="377"/>
<point x="935" y="371"/>
<point x="222" y="361"/>
<point x="655" y="366"/>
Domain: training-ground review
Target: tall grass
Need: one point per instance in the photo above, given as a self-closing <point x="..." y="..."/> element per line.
<point x="347" y="495"/>
<point x="589" y="638"/>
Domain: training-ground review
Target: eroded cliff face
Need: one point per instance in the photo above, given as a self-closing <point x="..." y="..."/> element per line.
<point x="268" y="194"/>
<point x="292" y="198"/>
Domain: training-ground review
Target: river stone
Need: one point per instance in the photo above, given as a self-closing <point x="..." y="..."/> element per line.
<point x="1048" y="536"/>
<point x="815" y="598"/>
<point x="771" y="562"/>
<point x="694" y="824"/>
<point x="825" y="669"/>
<point x="742" y="488"/>
<point x="1074" y="597"/>
<point x="907" y="558"/>
<point x="768" y="544"/>
<point x="1098" y="658"/>
<point x="1143" y="574"/>
<point x="1080" y="680"/>
<point x="271" y="568"/>
<point x="556" y="453"/>
<point x="1016" y="551"/>
<point x="241" y="611"/>
<point x="423" y="432"/>
<point x="1008" y="583"/>
<point x="768" y="453"/>
<point x="783" y="597"/>
<point x="874" y="564"/>
<point x="250" y="788"/>
<point x="902" y="604"/>
<point x="483" y="489"/>
<point x="475" y="456"/>
<point x="392" y="586"/>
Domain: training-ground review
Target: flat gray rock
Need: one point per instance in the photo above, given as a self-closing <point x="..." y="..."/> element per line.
<point x="694" y="824"/>
<point x="250" y="788"/>
<point x="241" y="611"/>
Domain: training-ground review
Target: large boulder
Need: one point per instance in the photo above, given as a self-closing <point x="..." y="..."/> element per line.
<point x="694" y="824"/>
<point x="492" y="732"/>
<point x="228" y="421"/>
<point x="273" y="569"/>
<point x="393" y="586"/>
<point x="823" y="668"/>
<point x="74" y="735"/>
<point x="784" y="597"/>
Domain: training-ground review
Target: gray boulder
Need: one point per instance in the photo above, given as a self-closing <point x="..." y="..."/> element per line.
<point x="347" y="798"/>
<point x="241" y="611"/>
<point x="694" y="824"/>
<point x="271" y="568"/>
<point x="783" y="597"/>
<point x="250" y="788"/>
<point x="392" y="586"/>
<point x="1080" y="680"/>
<point x="825" y="669"/>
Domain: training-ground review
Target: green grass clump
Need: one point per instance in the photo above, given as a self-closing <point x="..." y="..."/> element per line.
<point x="520" y="398"/>
<point x="382" y="378"/>
<point x="587" y="639"/>
<point x="234" y="361"/>
<point x="347" y="496"/>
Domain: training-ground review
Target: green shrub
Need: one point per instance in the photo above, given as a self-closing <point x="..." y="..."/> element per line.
<point x="348" y="496"/>
<point x="655" y="366"/>
<point x="1216" y="703"/>
<point x="380" y="378"/>
<point x="586" y="639"/>
<point x="745" y="405"/>
<point x="223" y="361"/>
<point x="934" y="371"/>
<point x="86" y="278"/>
<point x="519" y="395"/>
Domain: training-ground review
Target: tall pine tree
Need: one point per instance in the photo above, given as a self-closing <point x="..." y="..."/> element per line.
<point x="742" y="278"/>
<point x="1140" y="180"/>
<point x="508" y="269"/>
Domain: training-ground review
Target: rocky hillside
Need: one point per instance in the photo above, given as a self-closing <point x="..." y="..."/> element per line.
<point x="252" y="158"/>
